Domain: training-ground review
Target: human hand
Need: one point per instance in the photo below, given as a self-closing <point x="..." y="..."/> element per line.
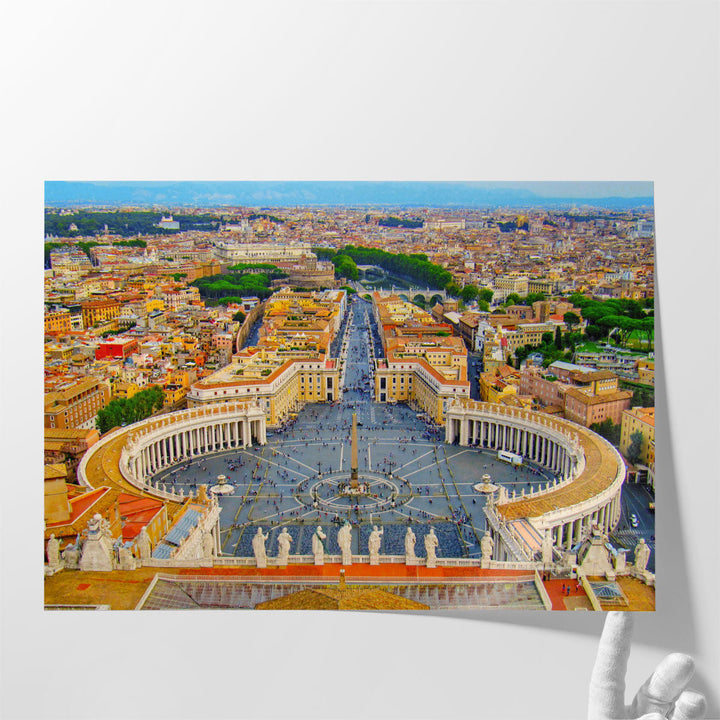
<point x="663" y="695"/>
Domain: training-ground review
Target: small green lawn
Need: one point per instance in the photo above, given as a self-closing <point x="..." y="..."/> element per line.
<point x="588" y="347"/>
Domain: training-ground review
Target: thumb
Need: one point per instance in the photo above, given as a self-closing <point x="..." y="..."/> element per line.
<point x="653" y="716"/>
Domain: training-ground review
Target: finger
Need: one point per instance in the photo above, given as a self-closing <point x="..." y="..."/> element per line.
<point x="663" y="687"/>
<point x="653" y="716"/>
<point x="607" y="682"/>
<point x="690" y="705"/>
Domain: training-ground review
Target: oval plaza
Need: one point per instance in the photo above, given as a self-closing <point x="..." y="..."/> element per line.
<point x="453" y="486"/>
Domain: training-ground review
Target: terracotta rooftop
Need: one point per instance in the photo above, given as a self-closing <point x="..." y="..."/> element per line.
<point x="82" y="507"/>
<point x="599" y="399"/>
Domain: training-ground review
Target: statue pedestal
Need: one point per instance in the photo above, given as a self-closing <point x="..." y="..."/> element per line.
<point x="319" y="560"/>
<point x="261" y="563"/>
<point x="96" y="556"/>
<point x="374" y="559"/>
<point x="411" y="560"/>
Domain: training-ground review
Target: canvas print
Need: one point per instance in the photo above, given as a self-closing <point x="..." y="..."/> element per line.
<point x="349" y="396"/>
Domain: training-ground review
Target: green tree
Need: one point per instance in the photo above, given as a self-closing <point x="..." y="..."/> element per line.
<point x="647" y="328"/>
<point x="452" y="289"/>
<point x="345" y="267"/>
<point x="571" y="319"/>
<point x="485" y="294"/>
<point x="512" y="299"/>
<point x="595" y="332"/>
<point x="607" y="429"/>
<point x="122" y="411"/>
<point x="531" y="298"/>
<point x="558" y="338"/>
<point x="324" y="253"/>
<point x="469" y="293"/>
<point x="239" y="316"/>
<point x="635" y="448"/>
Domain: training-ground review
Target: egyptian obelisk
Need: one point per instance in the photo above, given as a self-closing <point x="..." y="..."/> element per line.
<point x="354" y="455"/>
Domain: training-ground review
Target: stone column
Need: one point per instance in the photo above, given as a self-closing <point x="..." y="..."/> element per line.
<point x="246" y="432"/>
<point x="463" y="431"/>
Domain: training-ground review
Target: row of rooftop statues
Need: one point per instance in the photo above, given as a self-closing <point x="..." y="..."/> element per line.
<point x="98" y="550"/>
<point x="344" y="541"/>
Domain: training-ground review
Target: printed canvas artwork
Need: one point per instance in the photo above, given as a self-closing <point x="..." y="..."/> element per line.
<point x="349" y="395"/>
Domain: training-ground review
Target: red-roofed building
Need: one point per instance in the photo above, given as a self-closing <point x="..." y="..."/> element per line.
<point x="137" y="513"/>
<point x="120" y="349"/>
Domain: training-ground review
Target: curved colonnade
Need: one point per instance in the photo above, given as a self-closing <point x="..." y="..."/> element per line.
<point x="129" y="457"/>
<point x="590" y="470"/>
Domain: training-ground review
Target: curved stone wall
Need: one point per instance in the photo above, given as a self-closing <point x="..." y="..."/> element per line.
<point x="590" y="469"/>
<point x="127" y="458"/>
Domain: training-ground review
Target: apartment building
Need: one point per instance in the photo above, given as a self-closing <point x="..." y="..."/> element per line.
<point x="75" y="404"/>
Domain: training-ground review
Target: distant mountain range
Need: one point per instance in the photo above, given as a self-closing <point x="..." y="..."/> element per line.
<point x="352" y="194"/>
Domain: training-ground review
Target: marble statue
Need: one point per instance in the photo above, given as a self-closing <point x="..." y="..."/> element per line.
<point x="208" y="544"/>
<point x="97" y="552"/>
<point x="431" y="544"/>
<point x="258" y="546"/>
<point x="374" y="545"/>
<point x="487" y="545"/>
<point x="126" y="560"/>
<point x="410" y="558"/>
<point x="284" y="541"/>
<point x="344" y="539"/>
<point x="642" y="555"/>
<point x="143" y="544"/>
<point x="53" y="551"/>
<point x="318" y="545"/>
<point x="93" y="526"/>
<point x="71" y="556"/>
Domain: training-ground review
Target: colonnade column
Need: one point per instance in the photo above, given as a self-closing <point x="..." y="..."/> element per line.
<point x="463" y="431"/>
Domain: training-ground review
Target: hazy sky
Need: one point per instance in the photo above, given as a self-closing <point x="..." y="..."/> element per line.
<point x="411" y="193"/>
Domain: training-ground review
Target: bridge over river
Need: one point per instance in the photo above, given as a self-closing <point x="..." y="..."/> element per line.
<point x="388" y="283"/>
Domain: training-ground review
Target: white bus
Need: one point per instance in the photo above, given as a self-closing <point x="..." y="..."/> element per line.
<point x="509" y="457"/>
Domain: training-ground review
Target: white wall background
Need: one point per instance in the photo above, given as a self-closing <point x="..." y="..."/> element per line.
<point x="361" y="90"/>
